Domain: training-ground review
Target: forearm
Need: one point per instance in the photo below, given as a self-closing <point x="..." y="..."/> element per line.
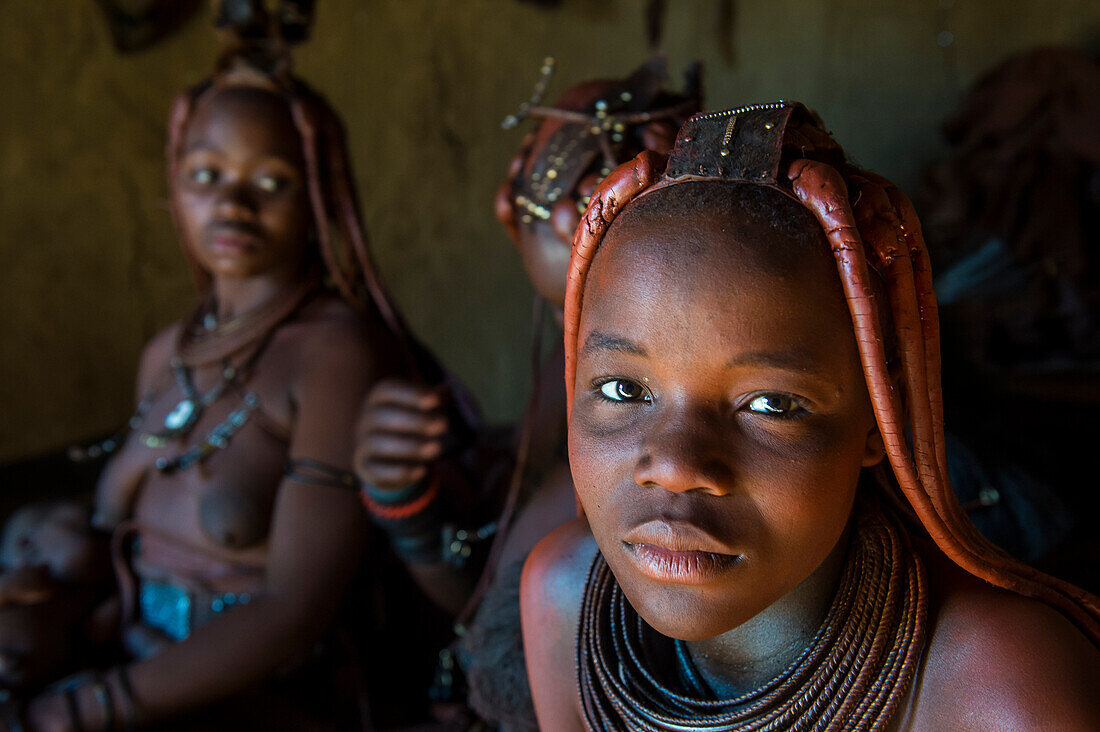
<point x="413" y="521"/>
<point x="230" y="654"/>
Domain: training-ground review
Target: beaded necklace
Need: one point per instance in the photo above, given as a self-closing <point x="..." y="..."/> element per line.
<point x="852" y="676"/>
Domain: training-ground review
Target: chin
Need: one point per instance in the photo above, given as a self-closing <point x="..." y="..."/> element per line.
<point x="684" y="618"/>
<point x="687" y="613"/>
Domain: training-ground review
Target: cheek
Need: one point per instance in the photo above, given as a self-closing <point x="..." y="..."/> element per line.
<point x="194" y="211"/>
<point x="600" y="462"/>
<point x="802" y="488"/>
<point x="289" y="218"/>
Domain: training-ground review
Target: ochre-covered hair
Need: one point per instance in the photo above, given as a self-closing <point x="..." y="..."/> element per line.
<point x="872" y="230"/>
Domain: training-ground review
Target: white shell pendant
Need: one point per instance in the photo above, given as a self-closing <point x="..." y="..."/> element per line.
<point x="179" y="417"/>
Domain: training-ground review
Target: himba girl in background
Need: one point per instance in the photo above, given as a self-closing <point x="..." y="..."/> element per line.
<point x="236" y="524"/>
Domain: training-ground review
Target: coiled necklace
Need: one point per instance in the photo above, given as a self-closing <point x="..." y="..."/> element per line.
<point x="852" y="676"/>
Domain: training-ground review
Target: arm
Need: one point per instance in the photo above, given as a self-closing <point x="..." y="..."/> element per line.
<point x="314" y="547"/>
<point x="550" y="601"/>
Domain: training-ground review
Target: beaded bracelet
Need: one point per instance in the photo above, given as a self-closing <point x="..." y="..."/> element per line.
<point x="410" y="517"/>
<point x="404" y="503"/>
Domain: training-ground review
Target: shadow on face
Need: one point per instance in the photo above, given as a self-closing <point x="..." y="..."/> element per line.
<point x="720" y="419"/>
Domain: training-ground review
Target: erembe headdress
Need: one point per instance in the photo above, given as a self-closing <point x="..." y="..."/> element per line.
<point x="873" y="231"/>
<point x="591" y="129"/>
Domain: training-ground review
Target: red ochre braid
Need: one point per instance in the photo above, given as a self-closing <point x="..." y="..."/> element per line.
<point x="864" y="218"/>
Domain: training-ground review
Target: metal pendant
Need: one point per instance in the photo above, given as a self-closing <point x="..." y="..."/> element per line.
<point x="180" y="417"/>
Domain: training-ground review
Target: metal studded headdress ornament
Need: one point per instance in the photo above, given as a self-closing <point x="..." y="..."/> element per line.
<point x="592" y="128"/>
<point x="748" y="144"/>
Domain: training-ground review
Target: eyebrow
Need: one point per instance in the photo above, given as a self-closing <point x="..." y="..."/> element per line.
<point x="603" y="341"/>
<point x="793" y="360"/>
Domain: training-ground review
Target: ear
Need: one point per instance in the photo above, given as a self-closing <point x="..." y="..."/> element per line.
<point x="874" y="450"/>
<point x="505" y="210"/>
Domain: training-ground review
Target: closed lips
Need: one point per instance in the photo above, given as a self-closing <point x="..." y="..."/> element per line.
<point x="678" y="552"/>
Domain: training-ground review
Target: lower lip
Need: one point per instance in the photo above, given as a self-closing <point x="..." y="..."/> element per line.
<point x="686" y="568"/>
<point x="232" y="242"/>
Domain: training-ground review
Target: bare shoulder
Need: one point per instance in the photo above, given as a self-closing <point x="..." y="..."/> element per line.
<point x="556" y="570"/>
<point x="550" y="598"/>
<point x="998" y="660"/>
<point x="329" y="337"/>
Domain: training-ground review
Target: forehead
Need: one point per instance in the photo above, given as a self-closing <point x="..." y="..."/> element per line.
<point x="715" y="280"/>
<point x="243" y="120"/>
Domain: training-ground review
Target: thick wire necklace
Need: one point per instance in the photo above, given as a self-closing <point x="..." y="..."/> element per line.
<point x="852" y="676"/>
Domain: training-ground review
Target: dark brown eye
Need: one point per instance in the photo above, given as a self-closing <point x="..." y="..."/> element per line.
<point x="623" y="390"/>
<point x="773" y="404"/>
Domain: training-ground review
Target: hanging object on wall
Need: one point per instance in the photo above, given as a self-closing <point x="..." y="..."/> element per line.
<point x="289" y="20"/>
<point x="726" y="27"/>
<point x="655" y="22"/>
<point x="139" y="24"/>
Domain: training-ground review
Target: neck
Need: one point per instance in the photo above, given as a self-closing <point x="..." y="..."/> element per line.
<point x="233" y="297"/>
<point x="755" y="652"/>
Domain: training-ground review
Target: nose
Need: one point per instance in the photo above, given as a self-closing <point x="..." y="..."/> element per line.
<point x="686" y="452"/>
<point x="235" y="201"/>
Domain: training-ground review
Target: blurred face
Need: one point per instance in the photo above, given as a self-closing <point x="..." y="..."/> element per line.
<point x="54" y="536"/>
<point x="241" y="192"/>
<point x="720" y="419"/>
<point x="546" y="259"/>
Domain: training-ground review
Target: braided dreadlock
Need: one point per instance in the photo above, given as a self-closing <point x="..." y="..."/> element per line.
<point x="872" y="230"/>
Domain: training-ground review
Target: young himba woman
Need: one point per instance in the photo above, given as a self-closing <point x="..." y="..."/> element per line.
<point x="592" y="128"/>
<point x="770" y="540"/>
<point x="236" y="521"/>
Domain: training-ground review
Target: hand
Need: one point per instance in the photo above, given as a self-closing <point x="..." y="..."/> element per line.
<point x="401" y="433"/>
